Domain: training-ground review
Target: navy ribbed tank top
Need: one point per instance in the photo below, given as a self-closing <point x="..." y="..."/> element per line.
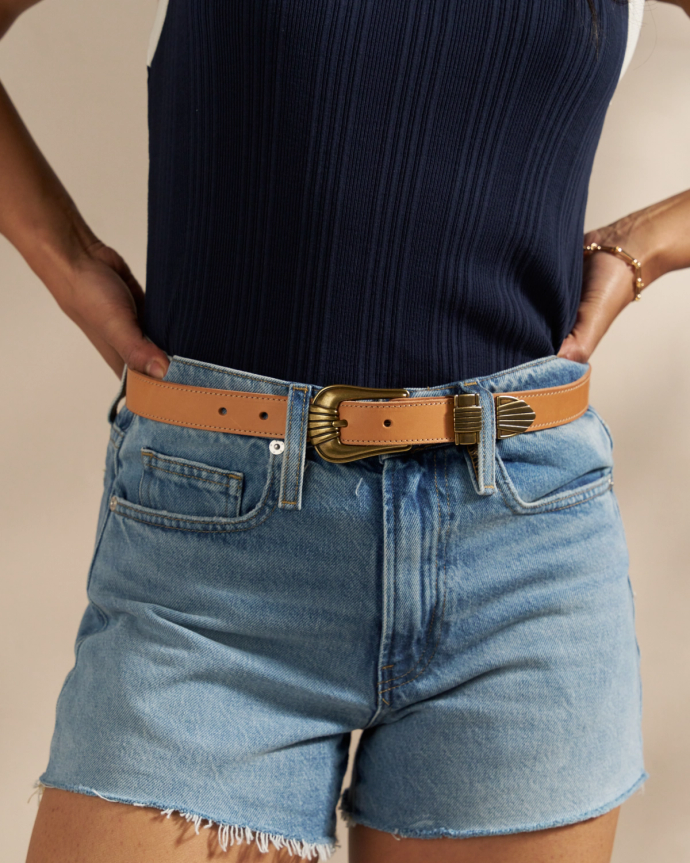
<point x="372" y="192"/>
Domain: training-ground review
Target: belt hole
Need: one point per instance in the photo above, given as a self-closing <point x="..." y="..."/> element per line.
<point x="222" y="411"/>
<point x="388" y="423"/>
<point x="263" y="415"/>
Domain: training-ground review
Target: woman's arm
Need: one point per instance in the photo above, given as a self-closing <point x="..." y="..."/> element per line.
<point x="658" y="236"/>
<point x="90" y="281"/>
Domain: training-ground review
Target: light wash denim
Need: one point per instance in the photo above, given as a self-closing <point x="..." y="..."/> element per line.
<point x="250" y="607"/>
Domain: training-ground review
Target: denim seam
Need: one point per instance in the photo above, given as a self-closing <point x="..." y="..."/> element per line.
<point x="392" y="594"/>
<point x="149" y="453"/>
<point x="233" y="373"/>
<point x="255" y="522"/>
<point x="603" y="424"/>
<point x="587" y="492"/>
<point x="510" y="372"/>
<point x="196" y="478"/>
<point x="445" y="578"/>
<point x="578" y="502"/>
<point x="631" y="594"/>
<point x="583" y="490"/>
<point x="226" y="485"/>
<point x="305" y="403"/>
<point x="143" y="486"/>
<point x="276" y="382"/>
<point x="431" y="621"/>
<point x="472" y="467"/>
<point x="449" y="389"/>
<point x="96" y="549"/>
<point x="116" y="437"/>
<point x="288" y="422"/>
<point x="106" y="497"/>
<point x="119" y="427"/>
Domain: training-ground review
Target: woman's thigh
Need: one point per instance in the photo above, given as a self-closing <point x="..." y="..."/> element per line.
<point x="588" y="841"/>
<point x="78" y="828"/>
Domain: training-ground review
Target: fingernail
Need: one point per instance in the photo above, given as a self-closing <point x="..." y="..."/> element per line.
<point x="155" y="369"/>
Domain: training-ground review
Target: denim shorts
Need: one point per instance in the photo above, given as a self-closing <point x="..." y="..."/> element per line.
<point x="250" y="605"/>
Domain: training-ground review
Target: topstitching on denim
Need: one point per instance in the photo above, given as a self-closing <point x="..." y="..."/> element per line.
<point x="443" y="600"/>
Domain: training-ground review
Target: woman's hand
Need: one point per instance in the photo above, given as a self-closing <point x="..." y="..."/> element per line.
<point x="658" y="236"/>
<point x="104" y="299"/>
<point x="607" y="288"/>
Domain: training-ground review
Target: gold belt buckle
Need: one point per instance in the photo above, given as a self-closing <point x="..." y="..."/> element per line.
<point x="467" y="419"/>
<point x="513" y="417"/>
<point x="324" y="423"/>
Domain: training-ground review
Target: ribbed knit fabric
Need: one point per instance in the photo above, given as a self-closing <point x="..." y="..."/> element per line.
<point x="373" y="192"/>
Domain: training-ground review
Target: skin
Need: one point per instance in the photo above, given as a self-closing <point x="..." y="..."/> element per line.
<point x="93" y="285"/>
<point x="74" y="828"/>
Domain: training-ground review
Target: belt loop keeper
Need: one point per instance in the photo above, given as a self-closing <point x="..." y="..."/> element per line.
<point x="484" y="474"/>
<point x="112" y="410"/>
<point x="294" y="454"/>
<point x="487" y="444"/>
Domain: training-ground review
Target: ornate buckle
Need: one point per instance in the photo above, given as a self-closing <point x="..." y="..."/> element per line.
<point x="467" y="418"/>
<point x="513" y="416"/>
<point x="324" y="423"/>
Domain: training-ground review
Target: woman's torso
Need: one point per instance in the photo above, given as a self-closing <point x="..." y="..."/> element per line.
<point x="373" y="192"/>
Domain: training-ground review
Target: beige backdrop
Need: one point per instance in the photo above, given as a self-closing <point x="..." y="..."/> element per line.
<point x="77" y="72"/>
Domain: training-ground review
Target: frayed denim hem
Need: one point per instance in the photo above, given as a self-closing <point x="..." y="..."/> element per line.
<point x="228" y="834"/>
<point x="351" y="821"/>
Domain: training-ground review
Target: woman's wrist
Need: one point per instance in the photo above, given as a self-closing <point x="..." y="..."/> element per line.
<point x="670" y="221"/>
<point x="56" y="246"/>
<point x="37" y="214"/>
<point x="658" y="236"/>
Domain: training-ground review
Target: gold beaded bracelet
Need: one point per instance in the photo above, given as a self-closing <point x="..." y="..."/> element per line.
<point x="638" y="284"/>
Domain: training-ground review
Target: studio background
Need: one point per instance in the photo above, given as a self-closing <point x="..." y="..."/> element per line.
<point x="77" y="73"/>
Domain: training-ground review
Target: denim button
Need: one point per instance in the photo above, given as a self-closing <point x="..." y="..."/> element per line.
<point x="276" y="446"/>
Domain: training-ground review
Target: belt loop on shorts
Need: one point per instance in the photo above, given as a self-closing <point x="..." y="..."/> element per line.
<point x="483" y="453"/>
<point x="112" y="410"/>
<point x="294" y="454"/>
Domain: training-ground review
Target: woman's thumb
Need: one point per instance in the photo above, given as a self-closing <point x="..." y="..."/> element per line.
<point x="155" y="368"/>
<point x="138" y="351"/>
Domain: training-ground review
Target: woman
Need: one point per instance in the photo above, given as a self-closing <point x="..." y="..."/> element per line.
<point x="353" y="194"/>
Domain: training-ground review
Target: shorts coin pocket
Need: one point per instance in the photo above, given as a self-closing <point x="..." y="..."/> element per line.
<point x="556" y="468"/>
<point x="178" y="485"/>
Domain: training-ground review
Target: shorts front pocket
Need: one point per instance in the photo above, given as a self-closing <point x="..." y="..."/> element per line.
<point x="178" y="485"/>
<point x="556" y="468"/>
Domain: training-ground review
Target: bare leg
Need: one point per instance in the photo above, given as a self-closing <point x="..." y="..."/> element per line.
<point x="76" y="828"/>
<point x="585" y="842"/>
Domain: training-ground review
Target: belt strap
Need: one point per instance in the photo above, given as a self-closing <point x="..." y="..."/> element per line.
<point x="398" y="421"/>
<point x="205" y="408"/>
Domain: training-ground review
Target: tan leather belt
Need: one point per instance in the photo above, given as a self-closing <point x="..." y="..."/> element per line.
<point x="344" y="424"/>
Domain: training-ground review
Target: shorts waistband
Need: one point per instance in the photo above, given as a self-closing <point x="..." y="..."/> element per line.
<point x="295" y="398"/>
